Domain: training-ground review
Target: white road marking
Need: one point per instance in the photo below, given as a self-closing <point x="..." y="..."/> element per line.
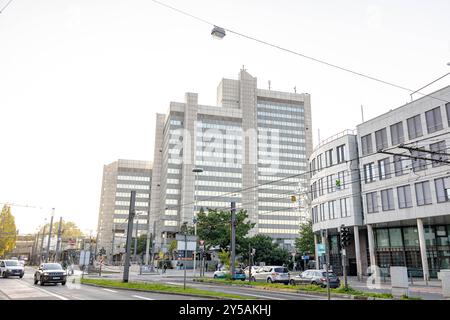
<point x="49" y="293"/>
<point x="144" y="298"/>
<point x="256" y="295"/>
<point x="109" y="290"/>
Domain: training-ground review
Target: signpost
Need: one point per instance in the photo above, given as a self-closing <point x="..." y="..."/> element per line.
<point x="185" y="243"/>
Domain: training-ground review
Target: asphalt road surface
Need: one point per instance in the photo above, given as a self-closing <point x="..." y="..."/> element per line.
<point x="24" y="289"/>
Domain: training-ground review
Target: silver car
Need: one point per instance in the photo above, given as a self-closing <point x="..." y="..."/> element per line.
<point x="272" y="274"/>
<point x="316" y="277"/>
<point x="11" y="268"/>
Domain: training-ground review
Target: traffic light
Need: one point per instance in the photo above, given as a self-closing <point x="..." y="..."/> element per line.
<point x="345" y="237"/>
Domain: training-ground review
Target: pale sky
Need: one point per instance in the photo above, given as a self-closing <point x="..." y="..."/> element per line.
<point x="81" y="81"/>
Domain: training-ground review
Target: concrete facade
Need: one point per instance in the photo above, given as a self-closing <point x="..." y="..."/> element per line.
<point x="404" y="188"/>
<point x="119" y="179"/>
<point x="232" y="143"/>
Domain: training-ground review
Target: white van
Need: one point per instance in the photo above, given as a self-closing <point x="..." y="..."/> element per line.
<point x="11" y="268"/>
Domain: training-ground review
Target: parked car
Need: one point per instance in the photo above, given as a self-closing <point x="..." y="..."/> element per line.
<point x="254" y="269"/>
<point x="272" y="274"/>
<point x="11" y="268"/>
<point x="50" y="273"/>
<point x="316" y="277"/>
<point x="239" y="274"/>
<point x="22" y="262"/>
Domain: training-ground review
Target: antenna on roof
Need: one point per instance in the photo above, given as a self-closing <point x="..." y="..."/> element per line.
<point x="362" y="113"/>
<point x="269" y="84"/>
<point x="243" y="67"/>
<point x="295" y="89"/>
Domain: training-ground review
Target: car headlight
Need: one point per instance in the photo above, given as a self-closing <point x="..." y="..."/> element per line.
<point x="45" y="273"/>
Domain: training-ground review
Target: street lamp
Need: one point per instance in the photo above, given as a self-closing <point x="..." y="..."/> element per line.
<point x="448" y="64"/>
<point x="218" y="32"/>
<point x="196" y="171"/>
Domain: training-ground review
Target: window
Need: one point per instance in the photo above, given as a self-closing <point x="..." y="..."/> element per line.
<point x="319" y="162"/>
<point x="314" y="190"/>
<point x="423" y="193"/>
<point x="418" y="163"/>
<point x="442" y="189"/>
<point x="322" y="212"/>
<point x="329" y="158"/>
<point x="344" y="207"/>
<point x="384" y="169"/>
<point x="321" y="187"/>
<point x="366" y="144"/>
<point x="434" y="120"/>
<point x="411" y="237"/>
<point x="330" y="184"/>
<point x="438" y="147"/>
<point x="382" y="236"/>
<point x="313" y="166"/>
<point x="398" y="166"/>
<point x="371" y="202"/>
<point x="387" y="199"/>
<point x="331" y="209"/>
<point x="340" y="154"/>
<point x="368" y="173"/>
<point x="414" y="127"/>
<point x="404" y="197"/>
<point x="447" y="108"/>
<point x="397" y="136"/>
<point x="381" y="139"/>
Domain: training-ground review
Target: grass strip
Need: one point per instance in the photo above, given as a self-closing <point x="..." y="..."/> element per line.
<point x="162" y="288"/>
<point x="304" y="288"/>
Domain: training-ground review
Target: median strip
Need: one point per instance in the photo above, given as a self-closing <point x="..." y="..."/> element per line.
<point x="161" y="288"/>
<point x="349" y="293"/>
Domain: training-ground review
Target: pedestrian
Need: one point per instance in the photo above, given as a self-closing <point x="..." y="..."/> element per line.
<point x="165" y="268"/>
<point x="206" y="266"/>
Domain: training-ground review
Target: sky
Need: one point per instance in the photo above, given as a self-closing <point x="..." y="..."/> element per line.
<point x="81" y="81"/>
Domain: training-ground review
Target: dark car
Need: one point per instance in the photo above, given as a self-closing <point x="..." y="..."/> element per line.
<point x="316" y="277"/>
<point x="50" y="273"/>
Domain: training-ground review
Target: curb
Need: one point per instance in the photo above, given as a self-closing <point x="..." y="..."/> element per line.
<point x="157" y="291"/>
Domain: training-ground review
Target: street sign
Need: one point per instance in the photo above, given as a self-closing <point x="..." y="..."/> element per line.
<point x="191" y="245"/>
<point x="180" y="237"/>
<point x="321" y="249"/>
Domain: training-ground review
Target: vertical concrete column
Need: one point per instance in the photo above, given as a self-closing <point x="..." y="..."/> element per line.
<point x="423" y="250"/>
<point x="371" y="241"/>
<point x="316" y="255"/>
<point x="357" y="253"/>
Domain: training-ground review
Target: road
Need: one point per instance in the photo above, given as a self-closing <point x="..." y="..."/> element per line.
<point x="24" y="289"/>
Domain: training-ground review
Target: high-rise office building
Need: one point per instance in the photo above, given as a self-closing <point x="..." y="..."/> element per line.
<point x="119" y="179"/>
<point x="252" y="148"/>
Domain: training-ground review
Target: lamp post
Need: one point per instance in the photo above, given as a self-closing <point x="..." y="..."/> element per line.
<point x="448" y="64"/>
<point x="196" y="171"/>
<point x="49" y="235"/>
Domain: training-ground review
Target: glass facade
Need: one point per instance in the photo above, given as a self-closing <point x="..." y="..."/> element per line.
<point x="399" y="246"/>
<point x="281" y="153"/>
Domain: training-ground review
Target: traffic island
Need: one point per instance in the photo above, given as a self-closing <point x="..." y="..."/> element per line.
<point x="162" y="288"/>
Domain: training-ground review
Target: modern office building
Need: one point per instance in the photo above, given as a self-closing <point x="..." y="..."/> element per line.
<point x="249" y="139"/>
<point x="336" y="197"/>
<point x="119" y="179"/>
<point x="404" y="182"/>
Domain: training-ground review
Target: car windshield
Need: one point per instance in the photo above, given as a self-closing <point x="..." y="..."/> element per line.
<point x="52" y="266"/>
<point x="281" y="270"/>
<point x="12" y="263"/>
<point x="330" y="274"/>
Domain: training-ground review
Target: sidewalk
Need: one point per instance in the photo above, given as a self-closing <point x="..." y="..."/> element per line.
<point x="432" y="291"/>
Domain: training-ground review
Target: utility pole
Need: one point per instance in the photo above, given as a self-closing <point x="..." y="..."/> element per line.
<point x="345" y="241"/>
<point x="233" y="238"/>
<point x="185" y="257"/>
<point x="147" y="244"/>
<point x="49" y="235"/>
<point x="136" y="238"/>
<point x="131" y="213"/>
<point x="58" y="243"/>
<point x="42" y="246"/>
<point x="327" y="262"/>
<point x="112" y="243"/>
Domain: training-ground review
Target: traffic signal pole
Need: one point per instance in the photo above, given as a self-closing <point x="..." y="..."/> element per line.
<point x="233" y="239"/>
<point x="131" y="213"/>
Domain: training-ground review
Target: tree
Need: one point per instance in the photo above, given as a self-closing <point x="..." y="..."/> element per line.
<point x="8" y="231"/>
<point x="215" y="228"/>
<point x="265" y="251"/>
<point x="305" y="242"/>
<point x="141" y="244"/>
<point x="69" y="230"/>
<point x="225" y="258"/>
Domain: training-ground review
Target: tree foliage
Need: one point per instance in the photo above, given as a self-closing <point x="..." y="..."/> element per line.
<point x="214" y="227"/>
<point x="69" y="230"/>
<point x="225" y="258"/>
<point x="305" y="242"/>
<point x="141" y="244"/>
<point x="7" y="231"/>
<point x="265" y="251"/>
